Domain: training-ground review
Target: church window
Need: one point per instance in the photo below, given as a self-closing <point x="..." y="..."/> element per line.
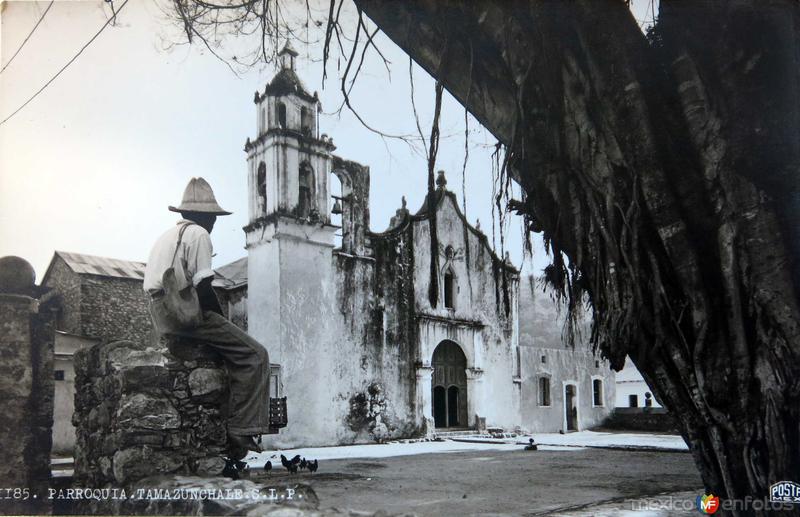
<point x="544" y="391"/>
<point x="449" y="289"/>
<point x="304" y="192"/>
<point x="282" y="115"/>
<point x="597" y="392"/>
<point x="261" y="182"/>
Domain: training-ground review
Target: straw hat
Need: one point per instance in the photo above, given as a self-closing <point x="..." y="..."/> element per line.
<point x="198" y="197"/>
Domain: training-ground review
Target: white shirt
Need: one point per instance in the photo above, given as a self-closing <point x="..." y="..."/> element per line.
<point x="195" y="253"/>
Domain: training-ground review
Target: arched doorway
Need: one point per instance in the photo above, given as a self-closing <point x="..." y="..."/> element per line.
<point x="449" y="385"/>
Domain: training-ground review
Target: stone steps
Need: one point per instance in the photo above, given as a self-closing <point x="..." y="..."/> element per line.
<point x="62" y="467"/>
<point x="461" y="434"/>
<point x="457" y="433"/>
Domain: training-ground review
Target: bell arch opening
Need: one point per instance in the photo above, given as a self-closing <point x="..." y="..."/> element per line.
<point x="261" y="188"/>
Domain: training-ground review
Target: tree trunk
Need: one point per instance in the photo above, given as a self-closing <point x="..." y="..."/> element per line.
<point x="668" y="173"/>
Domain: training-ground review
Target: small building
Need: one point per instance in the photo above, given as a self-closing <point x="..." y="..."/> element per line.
<point x="567" y="388"/>
<point x="632" y="389"/>
<point x="102" y="298"/>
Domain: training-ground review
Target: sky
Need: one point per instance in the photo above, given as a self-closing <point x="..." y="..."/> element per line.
<point x="91" y="164"/>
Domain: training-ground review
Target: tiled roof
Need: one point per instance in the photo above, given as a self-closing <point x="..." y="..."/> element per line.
<point x="102" y="266"/>
<point x="231" y="276"/>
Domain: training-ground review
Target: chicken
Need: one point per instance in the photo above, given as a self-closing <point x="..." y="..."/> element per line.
<point x="290" y="465"/>
<point x="286" y="463"/>
<point x="231" y="469"/>
<point x="312" y="467"/>
<point x="268" y="467"/>
<point x="303" y="464"/>
<point x="531" y="445"/>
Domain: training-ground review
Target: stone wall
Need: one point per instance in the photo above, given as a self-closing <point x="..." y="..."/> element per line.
<point x="656" y="420"/>
<point x="141" y="411"/>
<point x="67" y="284"/>
<point x="114" y="308"/>
<point x="27" y="320"/>
<point x="99" y="307"/>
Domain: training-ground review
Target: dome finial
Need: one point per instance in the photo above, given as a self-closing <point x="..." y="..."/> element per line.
<point x="441" y="181"/>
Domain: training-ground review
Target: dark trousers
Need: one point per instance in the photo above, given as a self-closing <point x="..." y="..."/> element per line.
<point x="248" y="370"/>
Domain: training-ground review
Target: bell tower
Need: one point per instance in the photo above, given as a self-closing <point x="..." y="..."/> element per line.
<point x="289" y="234"/>
<point x="289" y="164"/>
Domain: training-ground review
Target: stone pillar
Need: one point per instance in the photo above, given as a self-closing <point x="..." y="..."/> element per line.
<point x="27" y="318"/>
<point x="475" y="395"/>
<point x="424" y="403"/>
<point x="142" y="410"/>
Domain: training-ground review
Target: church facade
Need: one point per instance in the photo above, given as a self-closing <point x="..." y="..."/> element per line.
<point x="379" y="335"/>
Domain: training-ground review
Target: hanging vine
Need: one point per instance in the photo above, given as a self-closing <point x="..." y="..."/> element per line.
<point x="433" y="149"/>
<point x="464" y="201"/>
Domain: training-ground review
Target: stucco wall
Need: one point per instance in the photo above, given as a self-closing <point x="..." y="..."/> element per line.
<point x="542" y="336"/>
<point x="65" y="346"/>
<point x="393" y="316"/>
<point x="63" y="430"/>
<point x="563" y="366"/>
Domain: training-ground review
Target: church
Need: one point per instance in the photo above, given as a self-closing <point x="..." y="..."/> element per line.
<point x="379" y="335"/>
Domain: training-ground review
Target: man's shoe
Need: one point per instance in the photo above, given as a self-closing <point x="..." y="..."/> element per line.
<point x="243" y="442"/>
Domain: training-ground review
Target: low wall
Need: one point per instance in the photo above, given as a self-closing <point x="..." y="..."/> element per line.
<point x="141" y="411"/>
<point x="642" y="419"/>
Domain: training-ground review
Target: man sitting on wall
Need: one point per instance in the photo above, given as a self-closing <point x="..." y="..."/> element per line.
<point x="187" y="248"/>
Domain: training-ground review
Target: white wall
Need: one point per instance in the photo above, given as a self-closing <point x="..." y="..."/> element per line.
<point x="630" y="382"/>
<point x="65" y="346"/>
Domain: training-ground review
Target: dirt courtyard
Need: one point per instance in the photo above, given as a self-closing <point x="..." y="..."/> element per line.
<point x="494" y="482"/>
